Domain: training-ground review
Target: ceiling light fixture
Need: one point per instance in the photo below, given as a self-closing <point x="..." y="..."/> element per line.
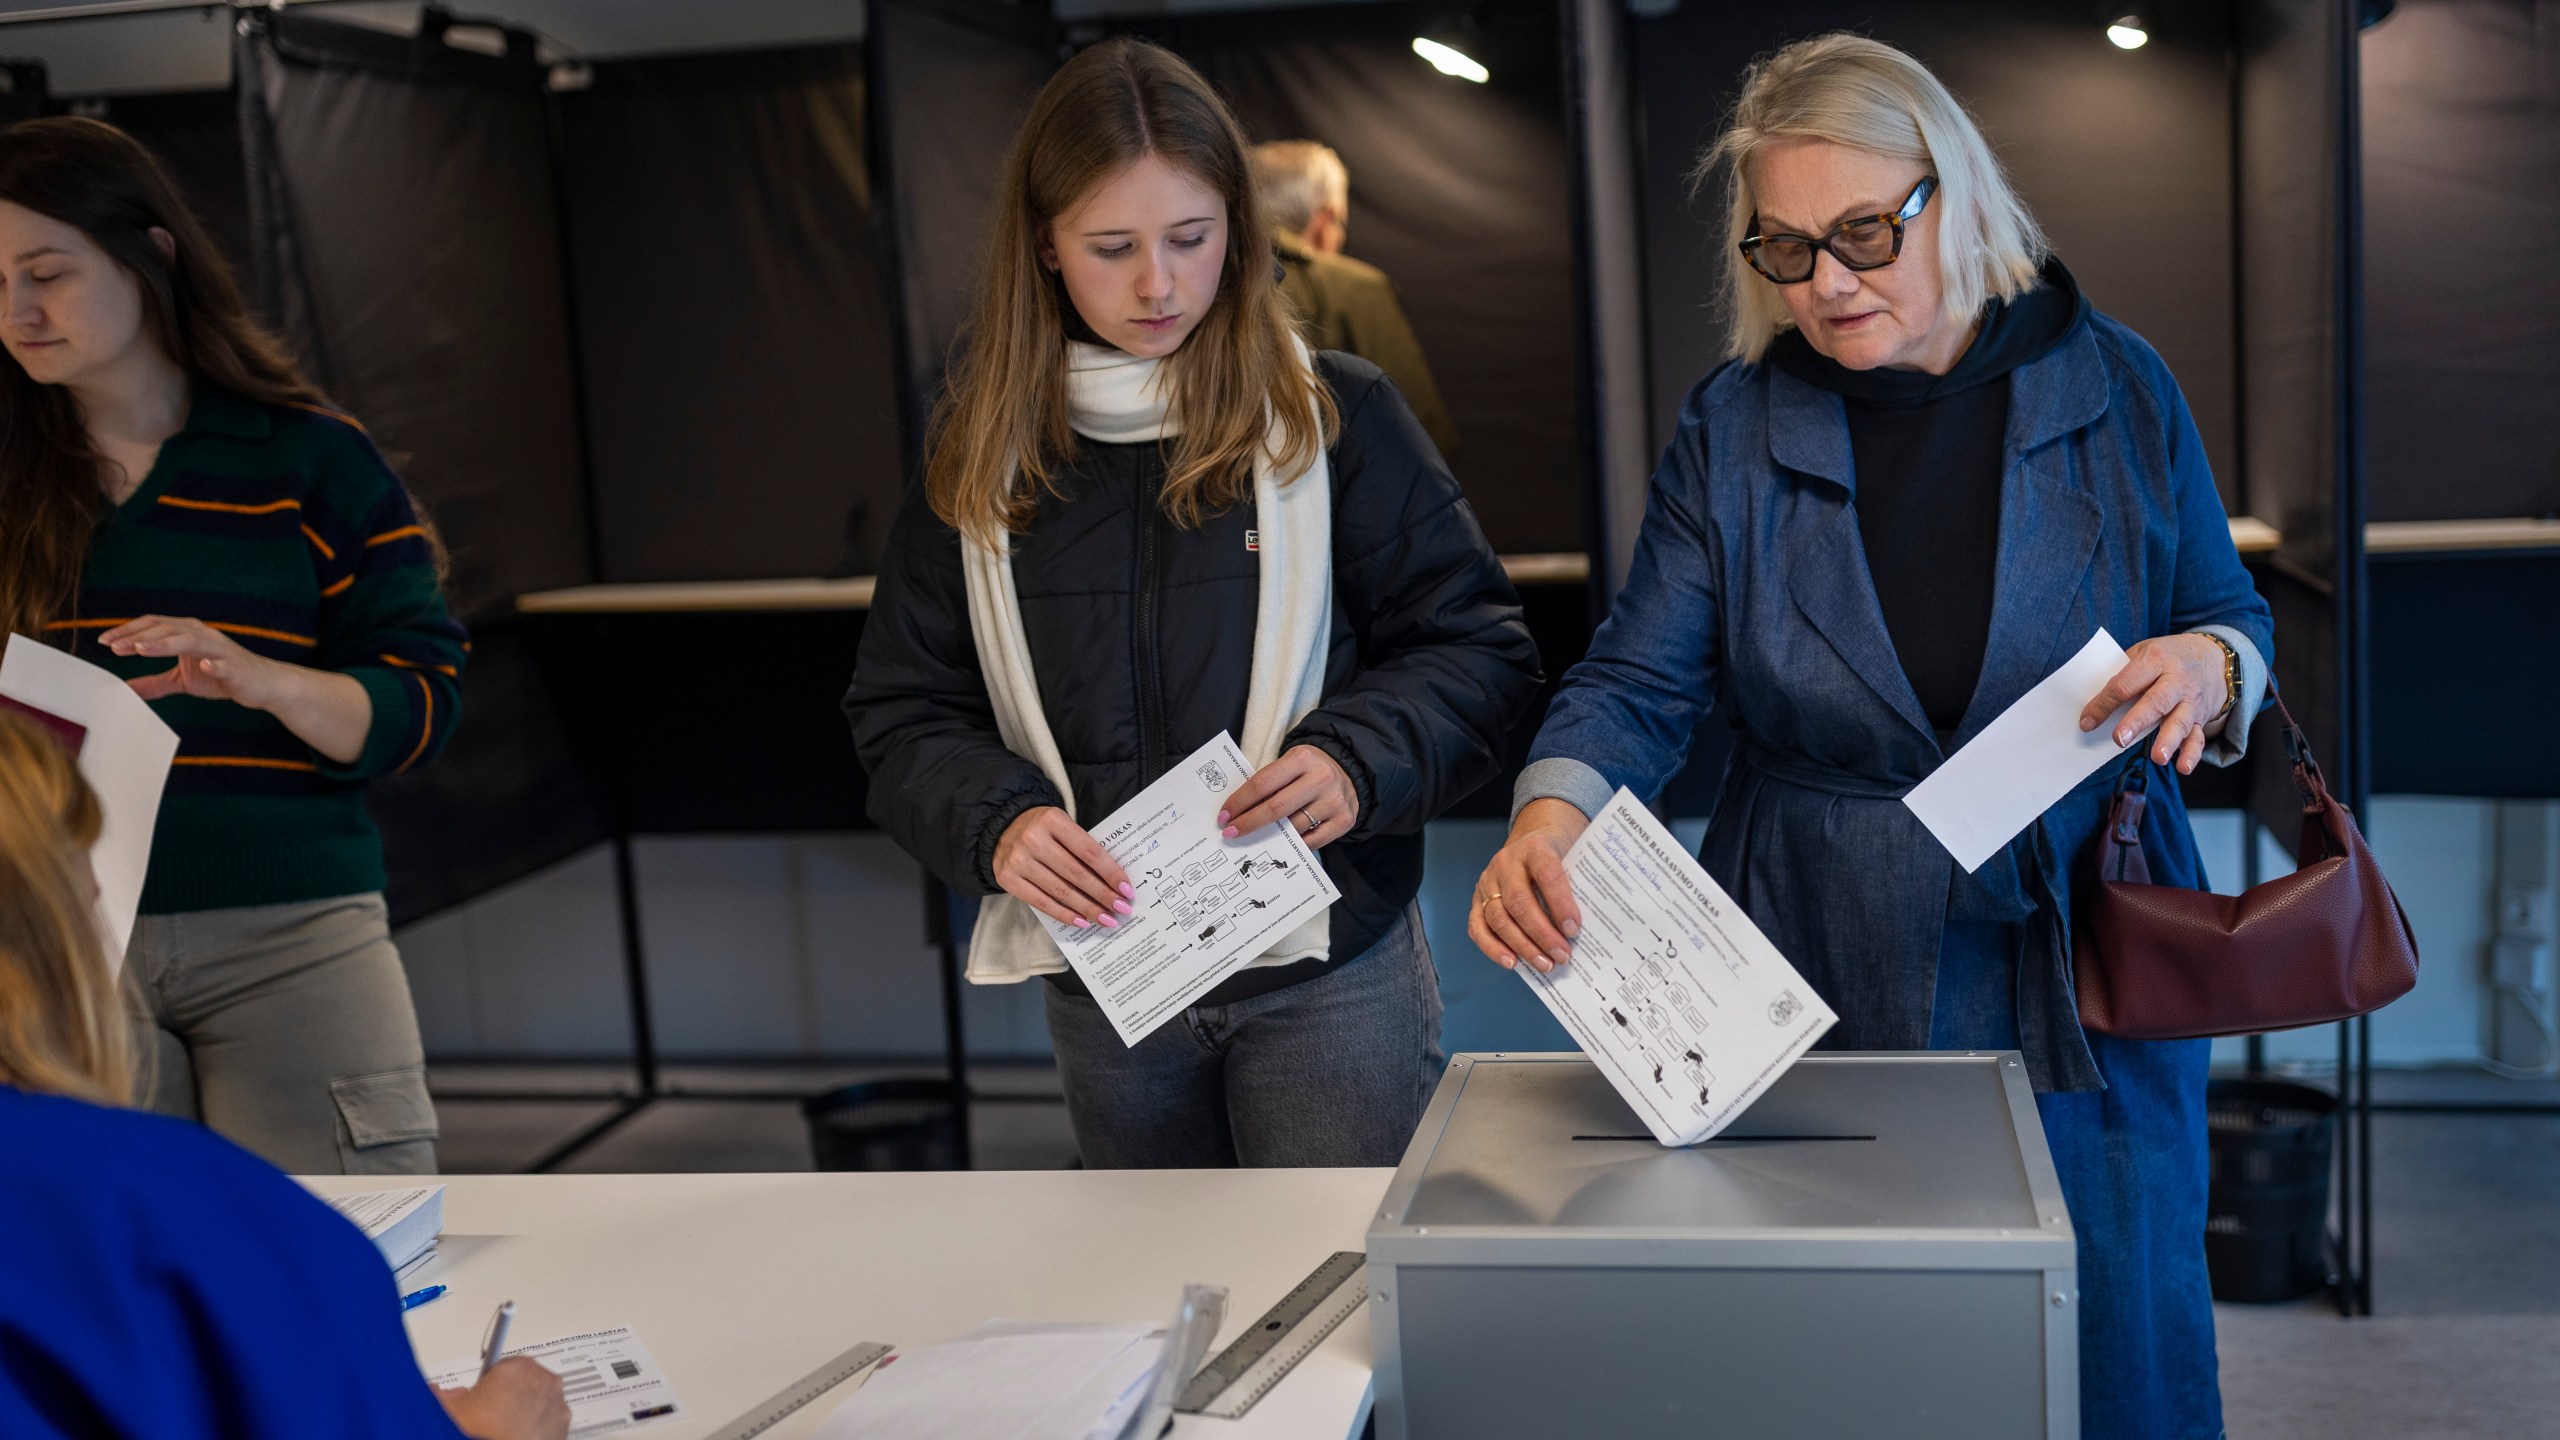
<point x="1449" y="60"/>
<point x="2127" y="32"/>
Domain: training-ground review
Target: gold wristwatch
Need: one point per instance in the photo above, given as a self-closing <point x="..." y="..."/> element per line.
<point x="2230" y="676"/>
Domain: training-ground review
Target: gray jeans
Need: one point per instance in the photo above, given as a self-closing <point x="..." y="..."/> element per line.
<point x="289" y="1030"/>
<point x="1330" y="1071"/>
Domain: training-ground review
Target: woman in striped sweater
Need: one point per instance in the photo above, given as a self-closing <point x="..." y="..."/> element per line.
<point x="178" y="505"/>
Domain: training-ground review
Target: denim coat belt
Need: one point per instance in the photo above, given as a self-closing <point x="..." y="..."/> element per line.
<point x="1749" y="593"/>
<point x="2024" y="882"/>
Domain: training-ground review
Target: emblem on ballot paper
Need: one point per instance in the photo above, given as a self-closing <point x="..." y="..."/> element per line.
<point x="1213" y="777"/>
<point x="1785" y="1008"/>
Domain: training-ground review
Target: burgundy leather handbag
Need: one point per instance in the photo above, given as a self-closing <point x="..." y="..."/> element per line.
<point x="2157" y="962"/>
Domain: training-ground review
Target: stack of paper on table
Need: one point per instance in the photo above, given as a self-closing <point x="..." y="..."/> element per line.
<point x="403" y="1224"/>
<point x="1009" y="1380"/>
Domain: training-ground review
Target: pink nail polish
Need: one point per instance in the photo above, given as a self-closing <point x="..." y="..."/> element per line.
<point x="1082" y="923"/>
<point x="1110" y="924"/>
<point x="1121" y="905"/>
<point x="1222" y="817"/>
<point x="1125" y="890"/>
<point x="1229" y="832"/>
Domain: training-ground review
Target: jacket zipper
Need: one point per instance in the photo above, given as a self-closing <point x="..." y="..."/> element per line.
<point x="1150" y="677"/>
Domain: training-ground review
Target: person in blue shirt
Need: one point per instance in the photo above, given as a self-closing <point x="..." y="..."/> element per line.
<point x="157" y="1280"/>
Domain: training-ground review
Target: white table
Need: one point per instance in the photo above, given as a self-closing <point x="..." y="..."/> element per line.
<point x="741" y="1284"/>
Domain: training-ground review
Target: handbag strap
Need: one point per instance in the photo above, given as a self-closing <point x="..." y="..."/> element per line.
<point x="2120" y="846"/>
<point x="2306" y="768"/>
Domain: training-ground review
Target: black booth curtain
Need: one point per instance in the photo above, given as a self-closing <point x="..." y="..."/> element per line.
<point x="2294" y="252"/>
<point x="196" y="136"/>
<point x="732" y="317"/>
<point x="950" y="80"/>
<point x="406" y="237"/>
<point x="405" y="197"/>
<point x="2461" y="128"/>
<point x="1459" y="192"/>
<point x="2462" y="206"/>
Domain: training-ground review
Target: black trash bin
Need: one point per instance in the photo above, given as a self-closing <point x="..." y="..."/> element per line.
<point x="885" y="1125"/>
<point x="2267" y="1215"/>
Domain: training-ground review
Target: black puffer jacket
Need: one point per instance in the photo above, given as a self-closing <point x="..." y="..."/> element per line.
<point x="1142" y="639"/>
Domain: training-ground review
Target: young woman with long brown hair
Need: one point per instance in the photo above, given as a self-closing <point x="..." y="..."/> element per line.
<point x="160" y="1282"/>
<point x="179" y="505"/>
<point x="1148" y="516"/>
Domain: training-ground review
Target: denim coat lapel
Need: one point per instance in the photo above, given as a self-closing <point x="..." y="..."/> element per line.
<point x="1827" y="573"/>
<point x="2049" y="529"/>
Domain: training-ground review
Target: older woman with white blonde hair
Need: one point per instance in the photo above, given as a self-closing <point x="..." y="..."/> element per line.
<point x="1927" y="473"/>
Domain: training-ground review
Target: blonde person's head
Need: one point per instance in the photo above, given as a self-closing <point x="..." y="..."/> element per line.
<point x="1297" y="178"/>
<point x="1866" y="95"/>
<point x="62" y="1020"/>
<point x="1000" y="433"/>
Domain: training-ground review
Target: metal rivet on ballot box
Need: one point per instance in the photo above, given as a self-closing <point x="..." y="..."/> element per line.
<point x="2059" y="1299"/>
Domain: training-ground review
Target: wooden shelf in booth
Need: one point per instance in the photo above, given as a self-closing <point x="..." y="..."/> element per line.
<point x="854" y="592"/>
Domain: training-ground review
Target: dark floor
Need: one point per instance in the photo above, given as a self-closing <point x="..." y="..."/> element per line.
<point x="2464" y="1342"/>
<point x="700" y="1131"/>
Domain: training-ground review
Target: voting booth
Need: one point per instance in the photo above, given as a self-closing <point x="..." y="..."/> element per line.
<point x="1877" y="1247"/>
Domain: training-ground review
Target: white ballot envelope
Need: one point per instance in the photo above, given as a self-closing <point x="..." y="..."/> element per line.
<point x="124" y="753"/>
<point x="607" y="1376"/>
<point x="1672" y="991"/>
<point x="2023" y="761"/>
<point x="1206" y="905"/>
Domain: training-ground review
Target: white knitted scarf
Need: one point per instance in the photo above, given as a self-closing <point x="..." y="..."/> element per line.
<point x="1117" y="398"/>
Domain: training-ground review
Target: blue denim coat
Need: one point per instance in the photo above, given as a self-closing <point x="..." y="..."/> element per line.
<point x="1750" y="593"/>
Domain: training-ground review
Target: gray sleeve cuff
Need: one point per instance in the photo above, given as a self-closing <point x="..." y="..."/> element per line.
<point x="1561" y="777"/>
<point x="2233" y="742"/>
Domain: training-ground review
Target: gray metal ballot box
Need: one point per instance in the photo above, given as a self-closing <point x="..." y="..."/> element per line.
<point x="1878" y="1247"/>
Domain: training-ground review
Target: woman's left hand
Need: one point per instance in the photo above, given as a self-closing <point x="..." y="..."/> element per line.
<point x="2181" y="688"/>
<point x="1305" y="786"/>
<point x="330" y="712"/>
<point x="211" y="665"/>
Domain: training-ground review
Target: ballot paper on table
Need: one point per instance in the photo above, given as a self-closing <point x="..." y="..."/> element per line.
<point x="1205" y="905"/>
<point x="1672" y="991"/>
<point x="2024" y="760"/>
<point x="1008" y="1380"/>
<point x="403" y="1224"/>
<point x="607" y="1377"/>
<point x="124" y="753"/>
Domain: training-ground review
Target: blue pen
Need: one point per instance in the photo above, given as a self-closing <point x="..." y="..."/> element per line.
<point x="416" y="1298"/>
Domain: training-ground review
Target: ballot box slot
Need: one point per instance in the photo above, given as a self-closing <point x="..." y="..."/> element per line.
<point x="1731" y="1140"/>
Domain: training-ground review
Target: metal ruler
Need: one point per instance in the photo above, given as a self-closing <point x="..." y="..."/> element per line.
<point x="783" y="1402"/>
<point x="1287" y="1333"/>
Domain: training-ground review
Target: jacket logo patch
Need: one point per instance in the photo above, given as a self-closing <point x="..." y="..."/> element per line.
<point x="1253" y="540"/>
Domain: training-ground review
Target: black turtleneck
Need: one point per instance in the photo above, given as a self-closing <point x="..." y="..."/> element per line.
<point x="1927" y="450"/>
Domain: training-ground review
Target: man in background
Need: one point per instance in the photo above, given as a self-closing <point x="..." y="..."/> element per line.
<point x="1342" y="303"/>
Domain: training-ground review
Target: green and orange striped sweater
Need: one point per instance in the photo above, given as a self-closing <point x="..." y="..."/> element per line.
<point x="283" y="528"/>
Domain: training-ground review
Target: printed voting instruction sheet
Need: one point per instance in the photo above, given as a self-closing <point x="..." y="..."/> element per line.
<point x="607" y="1375"/>
<point x="1206" y="905"/>
<point x="1672" y="991"/>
